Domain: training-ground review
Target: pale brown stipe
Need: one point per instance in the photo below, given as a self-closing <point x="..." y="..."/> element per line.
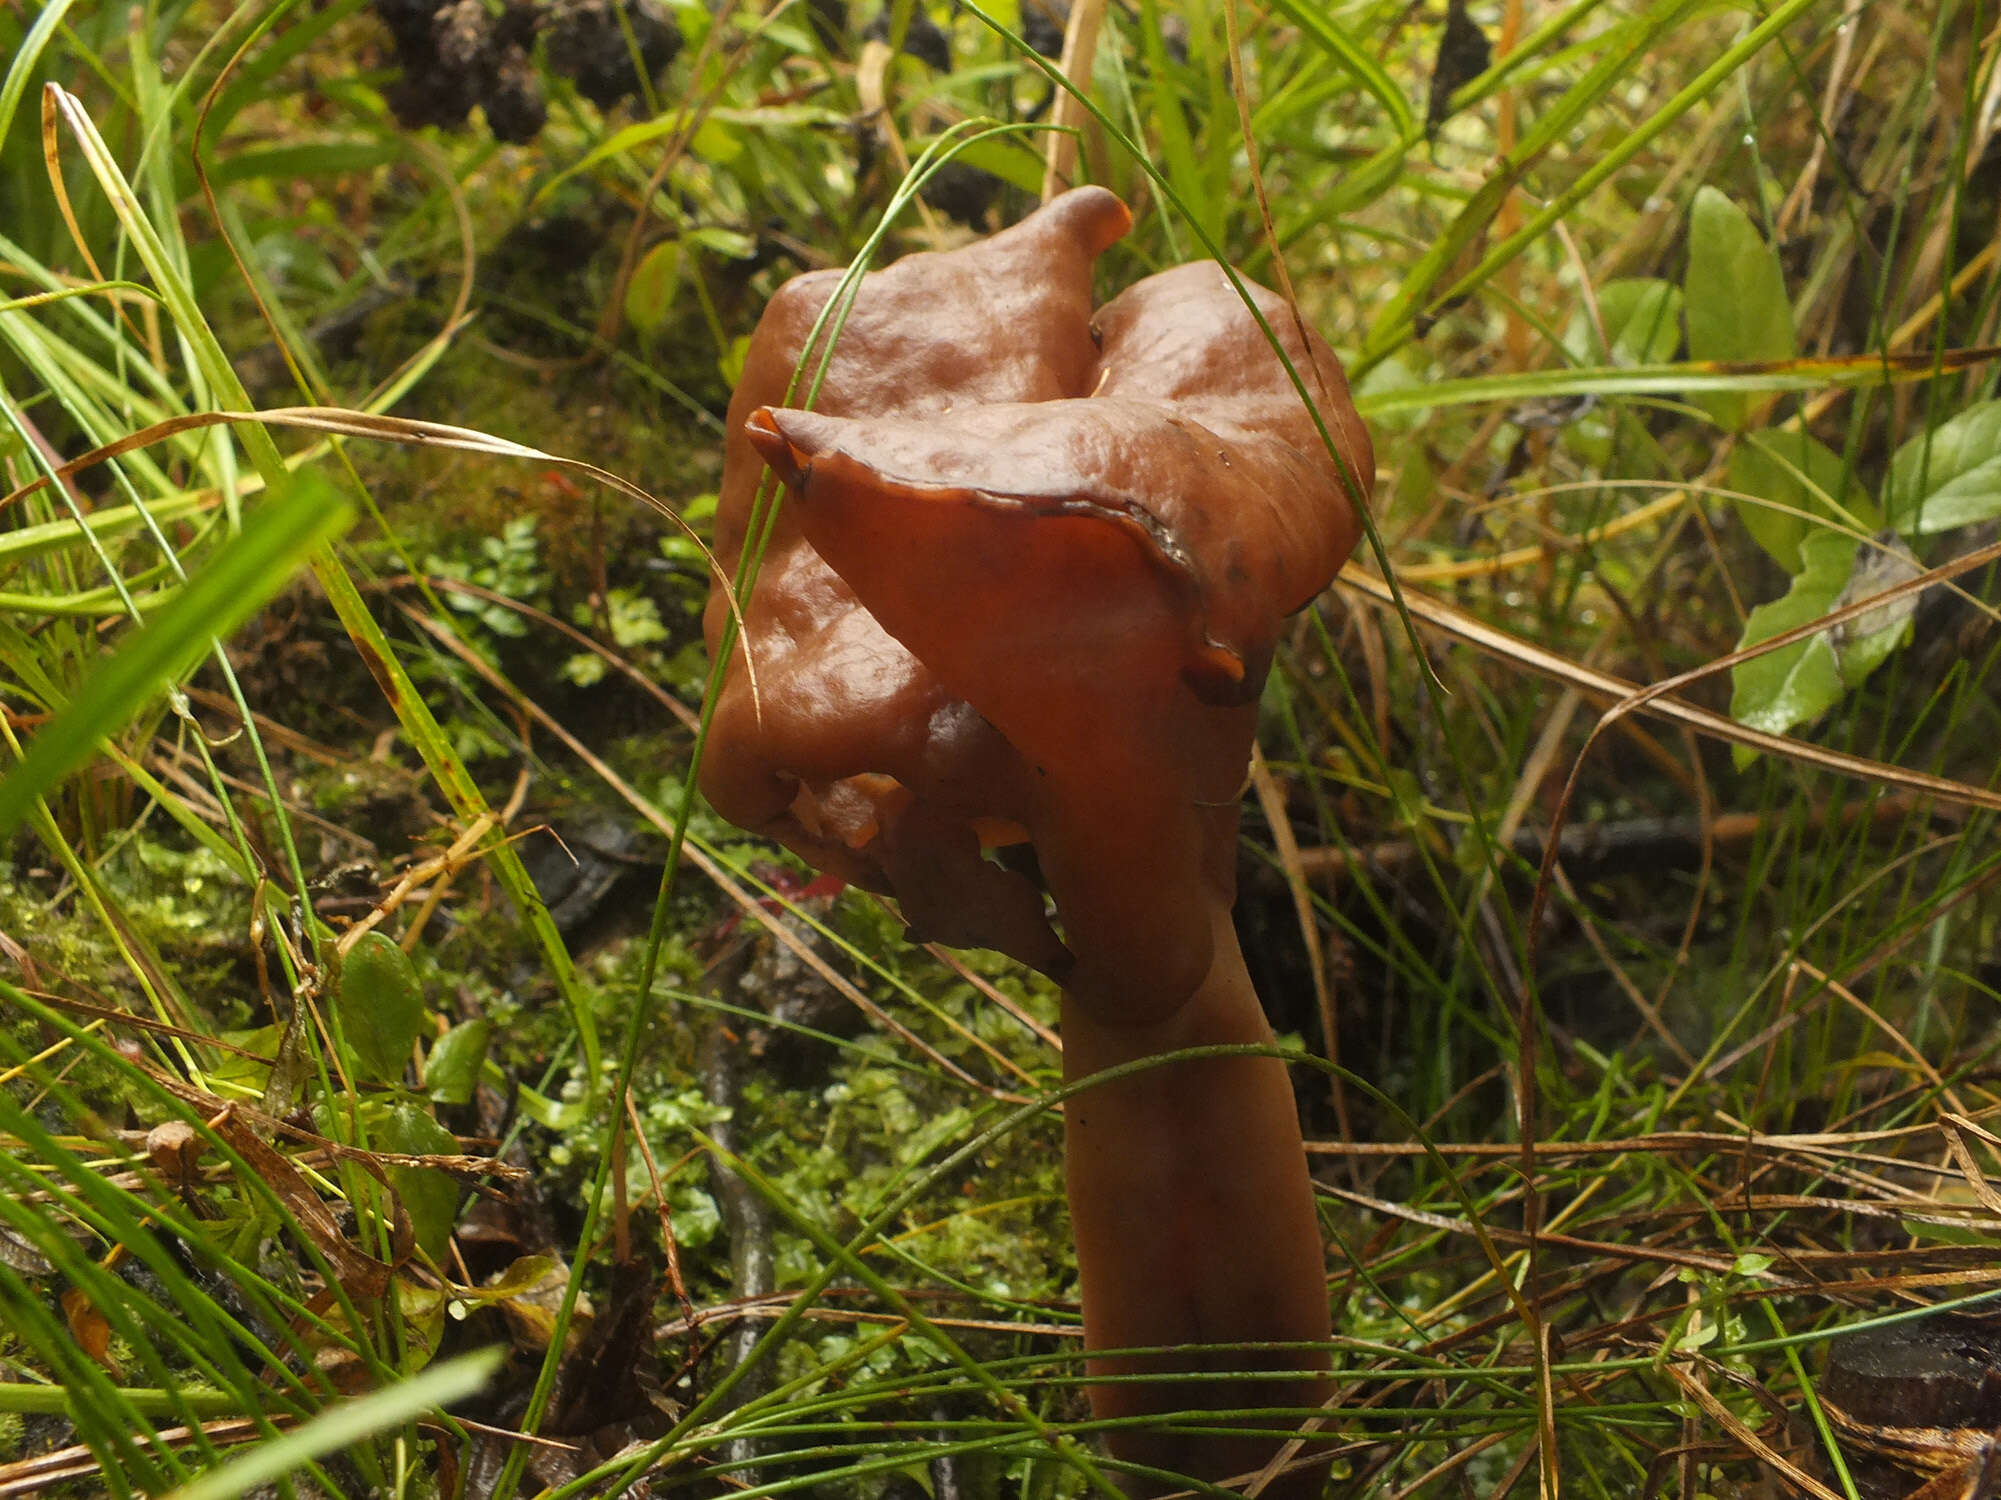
<point x="1009" y="633"/>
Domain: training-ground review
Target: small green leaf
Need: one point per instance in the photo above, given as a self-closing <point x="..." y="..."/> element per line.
<point x="583" y="669"/>
<point x="524" y="1275"/>
<point x="1642" y="318"/>
<point x="429" y="1196"/>
<point x="1952" y="478"/>
<point x="1798" y="683"/>
<point x="423" y="1312"/>
<point x="380" y="1007"/>
<point x="731" y="244"/>
<point x="649" y="296"/>
<point x="634" y="619"/>
<point x="451" y="1071"/>
<point x="1735" y="293"/>
<point x="717" y="142"/>
<point x="731" y="363"/>
<point x="550" y="1114"/>
<point x="1802" y="681"/>
<point x="1792" y="469"/>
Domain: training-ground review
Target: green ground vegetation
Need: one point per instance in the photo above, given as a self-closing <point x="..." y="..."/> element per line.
<point x="395" y="1055"/>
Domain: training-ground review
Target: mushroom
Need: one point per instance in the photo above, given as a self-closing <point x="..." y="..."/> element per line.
<point x="1008" y="635"/>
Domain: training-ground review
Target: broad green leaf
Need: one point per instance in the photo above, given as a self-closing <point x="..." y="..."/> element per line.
<point x="649" y="295"/>
<point x="1380" y="394"/>
<point x="1416" y="481"/>
<point x="1798" y="683"/>
<point x="717" y="142"/>
<point x="248" y="1073"/>
<point x="381" y="1007"/>
<point x="244" y="573"/>
<point x="1735" y="296"/>
<point x="1952" y="478"/>
<point x="1792" y="469"/>
<point x="451" y="1070"/>
<point x="429" y="1195"/>
<point x="423" y="1313"/>
<point x="1642" y="318"/>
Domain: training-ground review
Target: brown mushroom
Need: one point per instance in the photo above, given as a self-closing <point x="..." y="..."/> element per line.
<point x="1008" y="633"/>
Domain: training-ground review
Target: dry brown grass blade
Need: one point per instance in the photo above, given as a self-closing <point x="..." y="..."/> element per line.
<point x="584" y="642"/>
<point x="339" y="421"/>
<point x="1878" y="771"/>
<point x="1661" y="1142"/>
<point x="1658" y="700"/>
<point x="434" y="162"/>
<point x="1272" y="802"/>
<point x="747" y="903"/>
<point x="1731" y="1423"/>
<point x="1715" y="1263"/>
<point x="1068" y="118"/>
<point x="247" y="1118"/>
<point x="361" y="1275"/>
<point x="27" y="1476"/>
<point x="343" y="422"/>
<point x="52" y="162"/>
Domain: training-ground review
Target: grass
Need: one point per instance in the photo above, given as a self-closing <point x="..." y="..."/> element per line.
<point x="1645" y="1039"/>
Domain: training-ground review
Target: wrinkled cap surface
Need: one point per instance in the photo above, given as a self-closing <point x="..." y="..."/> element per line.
<point x="1011" y="624"/>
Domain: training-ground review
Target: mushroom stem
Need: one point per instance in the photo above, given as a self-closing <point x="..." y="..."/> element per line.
<point x="1195" y="1224"/>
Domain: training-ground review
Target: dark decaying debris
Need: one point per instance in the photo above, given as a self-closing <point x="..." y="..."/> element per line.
<point x="1042" y="25"/>
<point x="1464" y="53"/>
<point x="963" y="192"/>
<point x="513" y="104"/>
<point x="458" y="56"/>
<point x="923" y="39"/>
<point x="596" y="875"/>
<point x="607" y="1396"/>
<point x="587" y="41"/>
<point x="829" y="21"/>
<point x="1917" y="1397"/>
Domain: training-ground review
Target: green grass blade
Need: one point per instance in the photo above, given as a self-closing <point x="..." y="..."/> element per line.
<point x="346" y="1424"/>
<point x="244" y="574"/>
<point x="24" y="61"/>
<point x="1350" y="59"/>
